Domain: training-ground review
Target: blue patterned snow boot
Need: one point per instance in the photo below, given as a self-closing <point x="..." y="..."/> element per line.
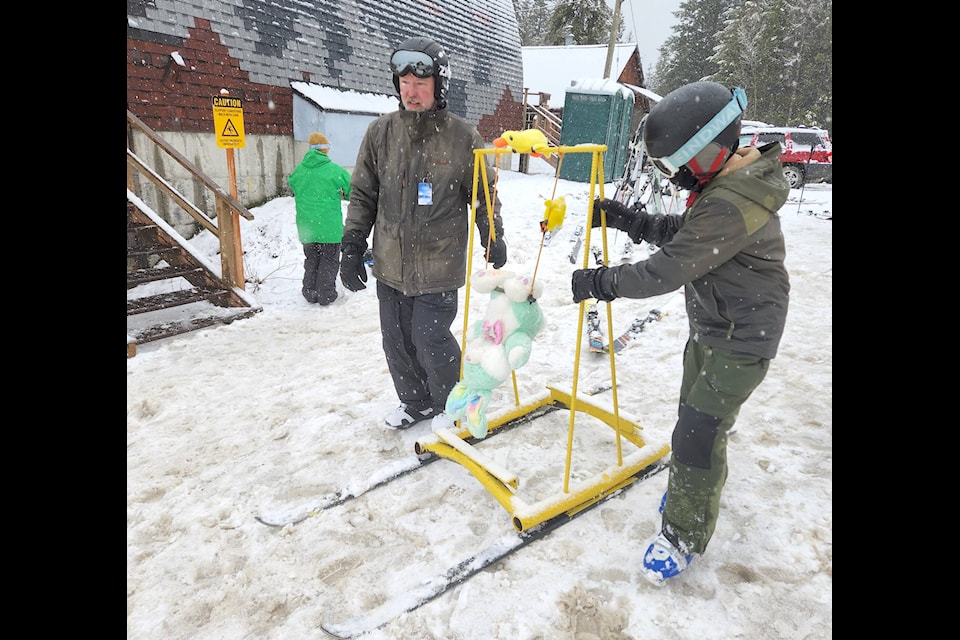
<point x="663" y="560"/>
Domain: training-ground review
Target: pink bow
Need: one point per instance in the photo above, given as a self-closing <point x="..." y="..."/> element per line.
<point x="494" y="332"/>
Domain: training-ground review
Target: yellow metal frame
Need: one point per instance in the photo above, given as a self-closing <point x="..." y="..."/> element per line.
<point x="501" y="483"/>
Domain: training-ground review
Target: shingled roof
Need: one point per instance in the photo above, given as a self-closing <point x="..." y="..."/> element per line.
<point x="342" y="44"/>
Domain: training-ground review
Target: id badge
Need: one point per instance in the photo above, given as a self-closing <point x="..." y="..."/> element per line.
<point x="424" y="193"/>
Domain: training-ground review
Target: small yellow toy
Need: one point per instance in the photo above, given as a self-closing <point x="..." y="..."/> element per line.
<point x="532" y="141"/>
<point x="553" y="214"/>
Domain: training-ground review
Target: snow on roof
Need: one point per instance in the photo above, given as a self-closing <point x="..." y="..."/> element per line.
<point x="332" y="99"/>
<point x="552" y="69"/>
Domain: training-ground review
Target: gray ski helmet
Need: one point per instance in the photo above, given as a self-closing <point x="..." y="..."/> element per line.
<point x="676" y="119"/>
<point x="441" y="66"/>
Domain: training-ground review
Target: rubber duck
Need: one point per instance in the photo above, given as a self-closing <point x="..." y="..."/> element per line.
<point x="532" y="141"/>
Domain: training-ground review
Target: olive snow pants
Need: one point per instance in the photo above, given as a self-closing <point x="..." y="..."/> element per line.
<point x="422" y="353"/>
<point x="715" y="384"/>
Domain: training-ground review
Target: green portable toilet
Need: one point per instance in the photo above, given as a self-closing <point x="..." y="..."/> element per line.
<point x="599" y="112"/>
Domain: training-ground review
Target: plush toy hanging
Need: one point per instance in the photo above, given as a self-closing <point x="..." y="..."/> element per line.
<point x="532" y="141"/>
<point x="496" y="345"/>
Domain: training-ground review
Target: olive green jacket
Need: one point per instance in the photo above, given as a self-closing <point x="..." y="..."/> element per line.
<point x="420" y="233"/>
<point x="727" y="251"/>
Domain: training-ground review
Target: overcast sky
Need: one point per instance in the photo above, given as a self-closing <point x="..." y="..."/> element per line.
<point x="651" y="22"/>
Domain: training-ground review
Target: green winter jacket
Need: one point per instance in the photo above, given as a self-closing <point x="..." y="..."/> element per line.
<point x="727" y="251"/>
<point x="319" y="184"/>
<point x="420" y="240"/>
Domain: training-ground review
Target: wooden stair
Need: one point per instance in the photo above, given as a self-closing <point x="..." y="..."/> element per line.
<point x="170" y="289"/>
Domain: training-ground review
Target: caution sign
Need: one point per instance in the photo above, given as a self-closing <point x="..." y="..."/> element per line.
<point x="228" y="122"/>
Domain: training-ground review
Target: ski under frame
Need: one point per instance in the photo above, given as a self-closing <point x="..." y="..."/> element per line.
<point x="427" y="590"/>
<point x="401" y="467"/>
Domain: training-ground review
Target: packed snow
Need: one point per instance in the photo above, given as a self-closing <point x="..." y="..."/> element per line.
<point x="272" y="414"/>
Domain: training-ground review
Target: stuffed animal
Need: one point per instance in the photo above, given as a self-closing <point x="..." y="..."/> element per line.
<point x="532" y="141"/>
<point x="496" y="345"/>
<point x="554" y="212"/>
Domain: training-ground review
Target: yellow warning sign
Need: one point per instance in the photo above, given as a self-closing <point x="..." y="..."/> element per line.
<point x="228" y="122"/>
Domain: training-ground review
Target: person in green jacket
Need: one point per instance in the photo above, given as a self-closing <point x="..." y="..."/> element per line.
<point x="319" y="184"/>
<point x="727" y="251"/>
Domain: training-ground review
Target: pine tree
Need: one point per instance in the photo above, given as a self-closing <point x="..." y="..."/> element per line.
<point x="781" y="54"/>
<point x="588" y="21"/>
<point x="686" y="56"/>
<point x="532" y="17"/>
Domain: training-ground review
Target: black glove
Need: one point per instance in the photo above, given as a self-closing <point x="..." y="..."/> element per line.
<point x="498" y="252"/>
<point x="589" y="283"/>
<point x="353" y="273"/>
<point x="619" y="216"/>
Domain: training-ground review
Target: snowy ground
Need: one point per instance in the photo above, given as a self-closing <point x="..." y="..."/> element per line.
<point x="273" y="413"/>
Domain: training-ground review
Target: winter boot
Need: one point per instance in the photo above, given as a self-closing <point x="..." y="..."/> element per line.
<point x="663" y="560"/>
<point x="404" y="416"/>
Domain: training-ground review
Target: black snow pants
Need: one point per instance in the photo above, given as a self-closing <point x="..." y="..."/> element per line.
<point x="321" y="265"/>
<point x="422" y="353"/>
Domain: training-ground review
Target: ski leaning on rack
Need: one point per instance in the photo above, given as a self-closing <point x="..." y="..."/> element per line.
<point x="594" y="330"/>
<point x="427" y="590"/>
<point x="635" y="329"/>
<point x="386" y="474"/>
<point x="577" y="240"/>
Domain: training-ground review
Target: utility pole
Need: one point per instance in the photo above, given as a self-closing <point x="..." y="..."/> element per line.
<point x="614" y="28"/>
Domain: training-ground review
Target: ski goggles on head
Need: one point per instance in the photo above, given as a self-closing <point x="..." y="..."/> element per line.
<point x="417" y="62"/>
<point x="708" y="161"/>
<point x="700" y="142"/>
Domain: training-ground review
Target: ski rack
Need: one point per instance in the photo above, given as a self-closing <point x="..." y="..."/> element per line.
<point x="502" y="483"/>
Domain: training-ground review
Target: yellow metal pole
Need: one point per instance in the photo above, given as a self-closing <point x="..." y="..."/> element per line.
<point x="576" y="365"/>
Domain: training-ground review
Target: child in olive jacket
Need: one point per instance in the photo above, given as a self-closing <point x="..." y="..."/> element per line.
<point x="727" y="251"/>
<point x="319" y="184"/>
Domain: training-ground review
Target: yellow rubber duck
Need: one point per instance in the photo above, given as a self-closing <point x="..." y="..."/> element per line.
<point x="532" y="141"/>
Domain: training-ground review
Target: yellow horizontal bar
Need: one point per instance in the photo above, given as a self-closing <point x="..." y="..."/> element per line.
<point x="628" y="429"/>
<point x="505" y="476"/>
<point x="586" y="147"/>
<point x="586" y="492"/>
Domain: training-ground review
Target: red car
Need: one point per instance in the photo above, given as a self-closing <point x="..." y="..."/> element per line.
<point x="807" y="151"/>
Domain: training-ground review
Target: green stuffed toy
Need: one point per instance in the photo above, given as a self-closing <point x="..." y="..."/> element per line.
<point x="496" y="345"/>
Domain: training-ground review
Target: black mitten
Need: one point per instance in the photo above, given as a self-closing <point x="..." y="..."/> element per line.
<point x="498" y="252"/>
<point x="589" y="283"/>
<point x="619" y="216"/>
<point x="353" y="273"/>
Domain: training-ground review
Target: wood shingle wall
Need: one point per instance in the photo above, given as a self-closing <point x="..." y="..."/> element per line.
<point x="255" y="49"/>
<point x="182" y="53"/>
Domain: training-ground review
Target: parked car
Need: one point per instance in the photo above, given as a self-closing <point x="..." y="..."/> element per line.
<point x="807" y="151"/>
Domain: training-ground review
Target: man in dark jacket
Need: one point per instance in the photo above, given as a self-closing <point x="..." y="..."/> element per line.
<point x="727" y="252"/>
<point x="412" y="185"/>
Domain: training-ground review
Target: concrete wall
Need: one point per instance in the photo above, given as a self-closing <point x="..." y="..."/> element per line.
<point x="261" y="169"/>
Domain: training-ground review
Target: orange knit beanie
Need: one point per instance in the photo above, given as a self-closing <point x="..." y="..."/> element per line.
<point x="319" y="141"/>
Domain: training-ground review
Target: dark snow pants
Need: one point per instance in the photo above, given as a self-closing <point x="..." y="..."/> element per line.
<point x="321" y="265"/>
<point x="715" y="384"/>
<point x="422" y="354"/>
